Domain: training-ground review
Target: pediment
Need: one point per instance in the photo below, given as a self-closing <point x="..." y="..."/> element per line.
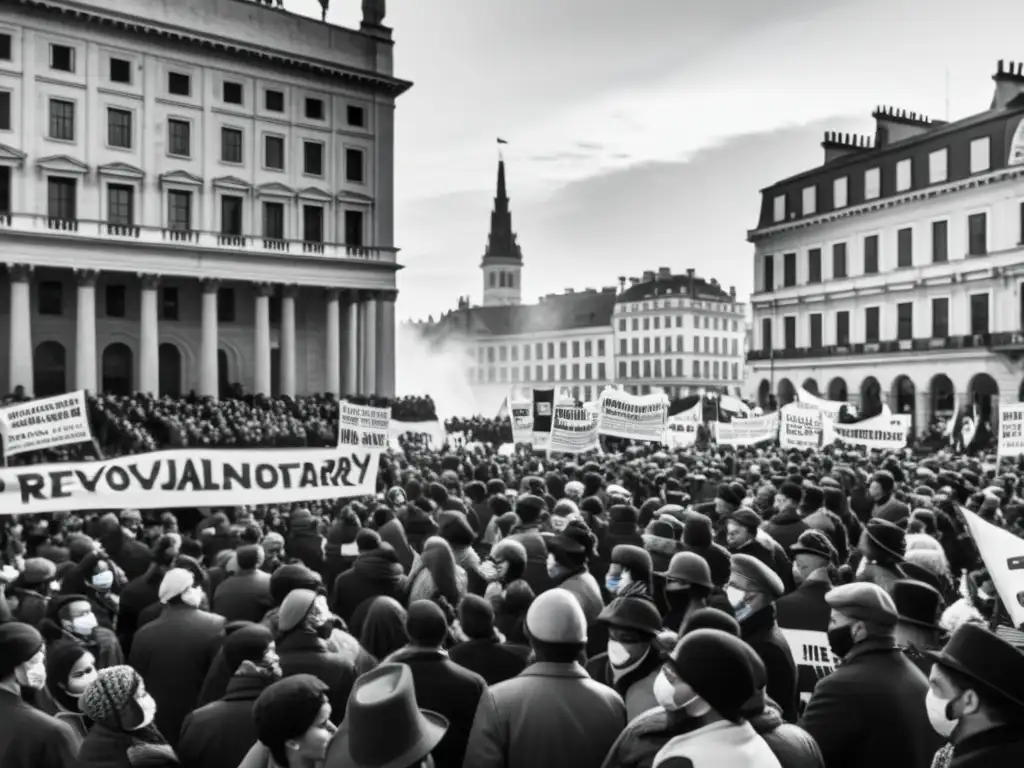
<point x="275" y="189"/>
<point x="11" y="156"/>
<point x="62" y="164"/>
<point x="233" y="183"/>
<point x="121" y="170"/>
<point x="315" y="193"/>
<point x="181" y="177"/>
<point x="354" y="197"/>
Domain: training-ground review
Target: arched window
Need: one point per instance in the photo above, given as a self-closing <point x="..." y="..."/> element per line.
<point x="117" y="369"/>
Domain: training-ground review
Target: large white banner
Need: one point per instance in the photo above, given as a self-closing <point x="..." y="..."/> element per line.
<point x="521" y="417"/>
<point x="192" y="477"/>
<point x="434" y="431"/>
<point x="573" y="430"/>
<point x="47" y="423"/>
<point x="634" y="417"/>
<point x="363" y="425"/>
<point x="746" y="432"/>
<point x="799" y="426"/>
<point x="681" y="428"/>
<point x="1011" y="430"/>
<point x="1003" y="555"/>
<point x="829" y="407"/>
<point x="879" y="433"/>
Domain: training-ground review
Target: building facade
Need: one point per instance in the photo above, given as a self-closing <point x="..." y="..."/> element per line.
<point x="893" y="272"/>
<point x="679" y="333"/>
<point x="181" y="213"/>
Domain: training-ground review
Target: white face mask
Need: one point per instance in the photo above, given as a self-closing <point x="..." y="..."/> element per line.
<point x="736" y="596"/>
<point x="148" y="706"/>
<point x="617" y="653"/>
<point x="84" y="625"/>
<point x="938" y="714"/>
<point x="192" y="596"/>
<point x="103" y="580"/>
<point x="665" y="694"/>
<point x="32" y="675"/>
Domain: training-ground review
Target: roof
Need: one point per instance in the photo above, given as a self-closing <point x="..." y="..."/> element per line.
<point x="564" y="312"/>
<point x="502" y="244"/>
<point x="676" y="285"/>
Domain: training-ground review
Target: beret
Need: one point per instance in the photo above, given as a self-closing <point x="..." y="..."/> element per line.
<point x="555" y="616"/>
<point x="294" y="608"/>
<point x="174" y="583"/>
<point x="425" y="623"/>
<point x="286" y="709"/>
<point x="18" y="643"/>
<point x="764" y="579"/>
<point x="863" y="601"/>
<point x="716" y="666"/>
<point x="746" y="517"/>
<point x="38" y="570"/>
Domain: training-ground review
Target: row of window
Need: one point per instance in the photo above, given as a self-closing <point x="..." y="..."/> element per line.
<point x="511" y="353"/>
<point x="121" y="135"/>
<point x="681" y="303"/>
<point x="51" y="301"/>
<point x="637" y="369"/>
<point x="62" y="205"/>
<point x="710" y="346"/>
<point x="706" y="369"/>
<point x="493" y="374"/>
<point x="656" y="323"/>
<point x="120" y="71"/>
<point x="977" y="245"/>
<point x="979" y="317"/>
<point x="938" y="172"/>
<point x="502" y="279"/>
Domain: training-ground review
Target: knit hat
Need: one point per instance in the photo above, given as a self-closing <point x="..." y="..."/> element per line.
<point x="715" y="665"/>
<point x="175" y="582"/>
<point x="425" y="623"/>
<point x="18" y="643"/>
<point x="476" y="615"/>
<point x="556" y="617"/>
<point x="248" y="643"/>
<point x="288" y="708"/>
<point x="295" y="608"/>
<point x="112" y="690"/>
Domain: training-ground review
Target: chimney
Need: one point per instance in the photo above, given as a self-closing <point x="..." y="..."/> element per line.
<point x="569" y="291"/>
<point x="691" y="283"/>
<point x="648" y="276"/>
<point x="1009" y="78"/>
<point x="664" y="273"/>
<point x="622" y="283"/>
<point x="714" y="281"/>
<point x="838" y="145"/>
<point x="634" y="281"/>
<point x="732" y="292"/>
<point x="892" y="125"/>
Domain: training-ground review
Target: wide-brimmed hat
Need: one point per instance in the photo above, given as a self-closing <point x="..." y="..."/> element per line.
<point x="887" y="536"/>
<point x="986" y="660"/>
<point x="917" y="603"/>
<point x="383" y="725"/>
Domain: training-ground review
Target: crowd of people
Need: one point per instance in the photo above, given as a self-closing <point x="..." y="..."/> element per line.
<point x="485" y="610"/>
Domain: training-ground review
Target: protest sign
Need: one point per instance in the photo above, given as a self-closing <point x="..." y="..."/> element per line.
<point x="799" y="426"/>
<point x="744" y="432"/>
<point x="363" y="425"/>
<point x="47" y="423"/>
<point x="879" y="433"/>
<point x="681" y="434"/>
<point x="633" y="417"/>
<point x="1011" y="430"/>
<point x="521" y="417"/>
<point x="813" y="658"/>
<point x="573" y="430"/>
<point x="1003" y="555"/>
<point x="829" y="407"/>
<point x="434" y="430"/>
<point x="543" y="406"/>
<point x="192" y="477"/>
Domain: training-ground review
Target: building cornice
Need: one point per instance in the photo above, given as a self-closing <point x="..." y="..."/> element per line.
<point x="361" y="78"/>
<point x="917" y="195"/>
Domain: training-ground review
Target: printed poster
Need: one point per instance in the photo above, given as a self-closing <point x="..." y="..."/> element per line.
<point x="879" y="433"/>
<point x="799" y="426"/>
<point x="46" y="423"/>
<point x="573" y="430"/>
<point x="746" y="432"/>
<point x="543" y="408"/>
<point x="1011" y="430"/>
<point x="813" y="658"/>
<point x="363" y="425"/>
<point x="521" y="417"/>
<point x="633" y="417"/>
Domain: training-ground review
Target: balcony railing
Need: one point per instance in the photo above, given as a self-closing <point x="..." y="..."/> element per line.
<point x="87" y="229"/>
<point x="902" y="346"/>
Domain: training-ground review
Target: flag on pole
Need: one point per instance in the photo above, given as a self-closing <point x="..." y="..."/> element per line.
<point x="502" y="141"/>
<point x="1003" y="555"/>
<point x="503" y="412"/>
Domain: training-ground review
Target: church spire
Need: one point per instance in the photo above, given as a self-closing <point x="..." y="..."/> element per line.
<point x="501" y="242"/>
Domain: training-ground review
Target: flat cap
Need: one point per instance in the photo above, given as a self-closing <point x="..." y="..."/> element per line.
<point x="762" y="578"/>
<point x="746" y="517"/>
<point x="863" y="601"/>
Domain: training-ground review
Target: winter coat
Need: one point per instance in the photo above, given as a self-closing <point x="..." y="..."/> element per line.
<point x="138" y="594"/>
<point x="393" y="533"/>
<point x="106" y="747"/>
<point x="786" y="528"/>
<point x="31" y="739"/>
<point x="792" y="746"/>
<point x="244" y="597"/>
<point x="221" y="733"/>
<point x="301" y="651"/>
<point x="988" y="749"/>
<point x="761" y="633"/>
<point x="644" y="737"/>
<point x="495" y="661"/>
<point x="374" y="573"/>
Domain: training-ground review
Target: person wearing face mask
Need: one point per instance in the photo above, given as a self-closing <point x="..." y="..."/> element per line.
<point x="805" y="608"/>
<point x="71" y="617"/>
<point x="975" y="699"/>
<point x="69" y="671"/>
<point x="752" y="591"/>
<point x="124" y="733"/>
<point x="919" y="607"/>
<point x="173" y="653"/>
<point x="632" y="659"/>
<point x="688" y="586"/>
<point x="504" y="565"/>
<point x="305" y="626"/>
<point x="222" y="732"/>
<point x="708" y="677"/>
<point x="569" y="552"/>
<point x="629" y="572"/>
<point x="886" y="506"/>
<point x="868" y="712"/>
<point x="29" y="738"/>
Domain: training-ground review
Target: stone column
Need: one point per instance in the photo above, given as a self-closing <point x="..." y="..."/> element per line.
<point x="386" y="343"/>
<point x="85" y="335"/>
<point x="149" y="336"/>
<point x="352" y="344"/>
<point x="209" y="379"/>
<point x="288" y="295"/>
<point x="332" y="341"/>
<point x="369" y="340"/>
<point x="20" y="353"/>
<point x="261" y="379"/>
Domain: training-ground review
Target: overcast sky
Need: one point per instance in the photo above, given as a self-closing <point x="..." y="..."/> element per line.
<point x="640" y="132"/>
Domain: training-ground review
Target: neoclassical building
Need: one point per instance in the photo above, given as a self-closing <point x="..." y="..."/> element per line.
<point x="195" y="194"/>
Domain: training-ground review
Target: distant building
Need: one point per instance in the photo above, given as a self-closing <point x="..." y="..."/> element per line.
<point x="675" y="332"/>
<point x="680" y="333"/>
<point x="893" y="272"/>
